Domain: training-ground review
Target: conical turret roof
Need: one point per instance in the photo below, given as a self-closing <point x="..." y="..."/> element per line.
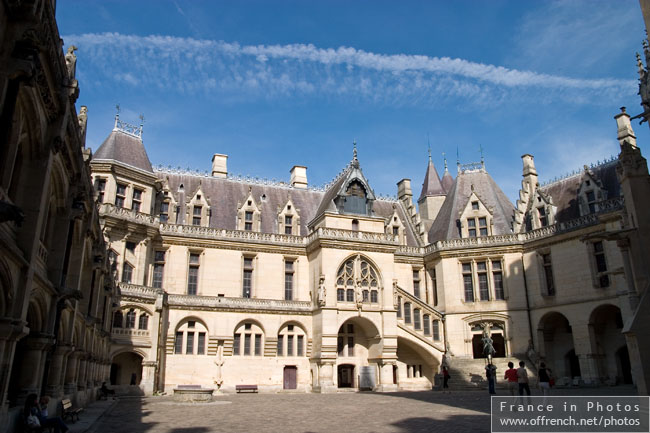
<point x="431" y="185"/>
<point x="124" y="147"/>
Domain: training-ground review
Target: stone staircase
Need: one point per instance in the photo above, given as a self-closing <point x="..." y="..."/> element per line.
<point x="469" y="374"/>
<point x="426" y="314"/>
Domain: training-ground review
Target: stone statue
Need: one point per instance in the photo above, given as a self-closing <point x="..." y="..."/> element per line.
<point x="219" y="363"/>
<point x="83" y="119"/>
<point x="488" y="347"/>
<point x="532" y="354"/>
<point x="321" y="291"/>
<point x="71" y="61"/>
<point x="359" y="295"/>
<point x="395" y="297"/>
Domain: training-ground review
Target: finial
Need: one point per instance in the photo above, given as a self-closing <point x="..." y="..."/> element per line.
<point x="429" y="145"/>
<point x="622" y="109"/>
<point x="639" y="65"/>
<point x="141" y="123"/>
<point x="457" y="159"/>
<point x="480" y="148"/>
<point x="445" y="159"/>
<point x="354" y="151"/>
<point x="117" y="114"/>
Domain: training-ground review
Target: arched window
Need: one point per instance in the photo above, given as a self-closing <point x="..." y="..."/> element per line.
<point x="190" y="338"/>
<point x="130" y="319"/>
<point x="357" y="274"/>
<point x="292" y="341"/>
<point x="117" y="319"/>
<point x="248" y="340"/>
<point x="143" y="321"/>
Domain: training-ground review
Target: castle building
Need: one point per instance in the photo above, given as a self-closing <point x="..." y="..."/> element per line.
<point x="56" y="290"/>
<point x="227" y="280"/>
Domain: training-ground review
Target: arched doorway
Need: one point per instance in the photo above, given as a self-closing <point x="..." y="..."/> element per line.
<point x="497" y="331"/>
<point x="126" y="369"/>
<point x="556" y="345"/>
<point x="358" y="341"/>
<point x="345" y="376"/>
<point x="605" y="326"/>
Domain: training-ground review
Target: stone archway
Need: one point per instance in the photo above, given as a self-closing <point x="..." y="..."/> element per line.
<point x="556" y="345"/>
<point x="605" y="326"/>
<point x="126" y="369"/>
<point x="358" y="348"/>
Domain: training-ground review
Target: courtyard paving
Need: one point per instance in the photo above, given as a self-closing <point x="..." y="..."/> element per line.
<point x="462" y="411"/>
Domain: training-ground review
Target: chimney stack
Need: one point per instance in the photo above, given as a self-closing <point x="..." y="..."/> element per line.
<point x="625" y="131"/>
<point x="298" y="176"/>
<point x="219" y="165"/>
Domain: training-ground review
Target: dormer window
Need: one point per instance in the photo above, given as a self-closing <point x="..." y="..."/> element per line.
<point x="395" y="231"/>
<point x="120" y="195"/>
<point x="288" y="220"/>
<point x="164" y="212"/>
<point x="248" y="224"/>
<point x="474" y="205"/>
<point x="591" y="201"/>
<point x="196" y="215"/>
<point x="471" y="227"/>
<point x="543" y="220"/>
<point x="137" y="200"/>
<point x="482" y="226"/>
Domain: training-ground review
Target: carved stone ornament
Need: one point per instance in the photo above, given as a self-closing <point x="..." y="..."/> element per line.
<point x="321" y="291"/>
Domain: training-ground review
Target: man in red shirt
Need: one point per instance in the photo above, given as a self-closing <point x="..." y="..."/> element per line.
<point x="511" y="376"/>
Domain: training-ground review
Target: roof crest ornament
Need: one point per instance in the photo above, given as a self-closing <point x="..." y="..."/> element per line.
<point x="445" y="159"/>
<point x="480" y="148"/>
<point x="128" y="128"/>
<point x="429" y="145"/>
<point x="355" y="161"/>
<point x="612" y="159"/>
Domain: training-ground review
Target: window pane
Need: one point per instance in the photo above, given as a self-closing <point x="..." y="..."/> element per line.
<point x="117" y="319"/>
<point x="178" y="343"/>
<point x="236" y="344"/>
<point x="143" y="321"/>
<point x="469" y="288"/>
<point x="436" y="330"/>
<point x="374" y="297"/>
<point x="280" y="342"/>
<point x="248" y="278"/>
<point x="247" y="344"/>
<point x="258" y="344"/>
<point x="289" y="345"/>
<point x="200" y="349"/>
<point x="426" y="324"/>
<point x="350" y="346"/>
<point x="416" y="319"/>
<point x="126" y="273"/>
<point x="194" y="259"/>
<point x="192" y="280"/>
<point x="287" y="220"/>
<point x="483" y="287"/>
<point x="482" y="222"/>
<point x="249" y="216"/>
<point x="471" y="223"/>
<point x="157" y="275"/>
<point x="301" y="344"/>
<point x="407" y="312"/>
<point x="340" y="346"/>
<point x="399" y="306"/>
<point x="467" y="267"/>
<point x="189" y="345"/>
<point x="130" y="319"/>
<point x="498" y="285"/>
<point x="350" y="295"/>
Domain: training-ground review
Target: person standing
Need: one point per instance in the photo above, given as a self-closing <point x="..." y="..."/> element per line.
<point x="522" y="379"/>
<point x="544" y="380"/>
<point x="511" y="377"/>
<point x="445" y="379"/>
<point x="491" y="375"/>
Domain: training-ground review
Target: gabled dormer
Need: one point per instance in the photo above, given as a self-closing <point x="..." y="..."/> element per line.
<point x="354" y="195"/>
<point x="249" y="214"/>
<point x="476" y="218"/>
<point x="198" y="209"/>
<point x="288" y="219"/>
<point x="166" y="204"/>
<point x="541" y="212"/>
<point x="590" y="193"/>
<point x="396" y="227"/>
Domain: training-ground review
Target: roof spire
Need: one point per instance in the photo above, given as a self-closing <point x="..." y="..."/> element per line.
<point x="429" y="145"/>
<point x="480" y="147"/>
<point x="141" y="123"/>
<point x="117" y="115"/>
<point x="445" y="159"/>
<point x="354" y="149"/>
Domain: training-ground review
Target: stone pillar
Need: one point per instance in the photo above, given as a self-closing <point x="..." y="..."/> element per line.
<point x="10" y="333"/>
<point x="585" y="350"/>
<point x="81" y="372"/>
<point x="148" y="376"/>
<point x="57" y="370"/>
<point x="386" y="376"/>
<point x="70" y="386"/>
<point x="326" y="376"/>
<point x="31" y="365"/>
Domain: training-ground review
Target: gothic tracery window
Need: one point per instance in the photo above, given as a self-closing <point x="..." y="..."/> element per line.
<point x="357" y="280"/>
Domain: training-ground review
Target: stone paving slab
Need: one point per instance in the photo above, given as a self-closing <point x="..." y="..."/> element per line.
<point x="342" y="412"/>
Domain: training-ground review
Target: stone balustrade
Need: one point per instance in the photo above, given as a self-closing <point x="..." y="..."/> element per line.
<point x="222" y="302"/>
<point x="128" y="289"/>
<point x="131" y="332"/>
<point x="109" y="209"/>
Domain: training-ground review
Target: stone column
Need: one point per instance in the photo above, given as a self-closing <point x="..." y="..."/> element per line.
<point x="70" y="382"/>
<point x="31" y="365"/>
<point x="326" y="376"/>
<point x="585" y="350"/>
<point x="386" y="376"/>
<point x="57" y="370"/>
<point x="148" y="376"/>
<point x="10" y="333"/>
<point x="81" y="371"/>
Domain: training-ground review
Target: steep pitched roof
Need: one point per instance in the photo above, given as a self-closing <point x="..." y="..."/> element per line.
<point x="565" y="191"/>
<point x="123" y="147"/>
<point x="431" y="185"/>
<point x="445" y="226"/>
<point x="447" y="181"/>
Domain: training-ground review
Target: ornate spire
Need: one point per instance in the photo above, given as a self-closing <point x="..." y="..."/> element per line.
<point x="117" y="115"/>
<point x="429" y="145"/>
<point x="355" y="161"/>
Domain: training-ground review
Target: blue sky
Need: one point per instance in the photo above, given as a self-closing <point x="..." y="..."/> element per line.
<point x="274" y="84"/>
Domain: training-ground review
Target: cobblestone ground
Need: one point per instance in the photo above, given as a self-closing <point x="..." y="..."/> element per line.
<point x="463" y="411"/>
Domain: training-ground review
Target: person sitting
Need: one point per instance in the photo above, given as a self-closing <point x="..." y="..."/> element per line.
<point x="104" y="391"/>
<point x="34" y="410"/>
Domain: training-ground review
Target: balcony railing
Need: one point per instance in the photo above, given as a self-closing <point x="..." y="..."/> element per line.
<point x="222" y="302"/>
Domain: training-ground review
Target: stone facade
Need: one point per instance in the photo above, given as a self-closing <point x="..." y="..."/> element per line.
<point x="56" y="291"/>
<point x="284" y="286"/>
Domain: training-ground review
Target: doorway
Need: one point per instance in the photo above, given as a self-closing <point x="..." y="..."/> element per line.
<point x="290" y="375"/>
<point x="346" y="376"/>
<point x="625" y="368"/>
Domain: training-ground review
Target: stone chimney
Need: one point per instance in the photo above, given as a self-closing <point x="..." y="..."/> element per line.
<point x="298" y="176"/>
<point x="625" y="131"/>
<point x="219" y="165"/>
<point x="404" y="192"/>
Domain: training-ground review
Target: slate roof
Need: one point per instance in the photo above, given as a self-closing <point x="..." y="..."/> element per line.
<point x="445" y="225"/>
<point x="565" y="191"/>
<point x="447" y="181"/>
<point x="431" y="185"/>
<point x="225" y="194"/>
<point x="126" y="148"/>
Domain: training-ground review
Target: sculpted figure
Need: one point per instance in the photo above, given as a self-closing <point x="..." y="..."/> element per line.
<point x="321" y="291"/>
<point x="71" y="61"/>
<point x="83" y="120"/>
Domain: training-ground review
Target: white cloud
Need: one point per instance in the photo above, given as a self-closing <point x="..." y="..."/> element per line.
<point x="194" y="65"/>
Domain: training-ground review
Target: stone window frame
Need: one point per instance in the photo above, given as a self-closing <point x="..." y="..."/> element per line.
<point x="370" y="294"/>
<point x="249" y="205"/>
<point x="600" y="279"/>
<point x="121" y="196"/>
<point x="198" y="200"/>
<point x="192" y="252"/>
<point x="195" y="327"/>
<point x="156" y="261"/>
<point x="417" y="282"/>
<point x="433" y="277"/>
<point x="346" y="341"/>
<point x="489" y="274"/>
<point x="297" y="333"/>
<point x="100" y="187"/>
<point x="137" y="195"/>
<point x="124" y="277"/>
<point x="248" y="331"/>
<point x="470" y="219"/>
<point x="546" y="289"/>
<point x="244" y="269"/>
<point x="590" y="183"/>
<point x="395" y="227"/>
<point x="288" y="210"/>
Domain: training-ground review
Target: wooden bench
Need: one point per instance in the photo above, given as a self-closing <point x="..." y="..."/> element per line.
<point x="242" y="388"/>
<point x="69" y="411"/>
